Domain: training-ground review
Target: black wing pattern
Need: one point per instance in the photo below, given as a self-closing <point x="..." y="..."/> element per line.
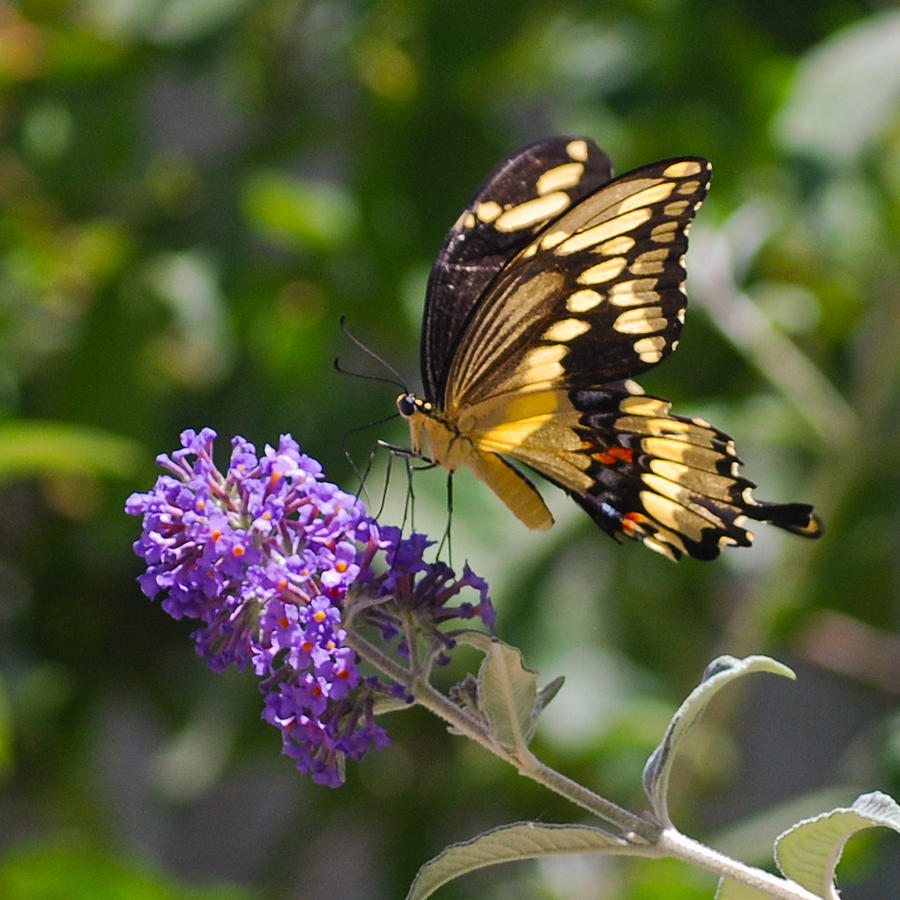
<point x="516" y="200"/>
<point x="597" y="296"/>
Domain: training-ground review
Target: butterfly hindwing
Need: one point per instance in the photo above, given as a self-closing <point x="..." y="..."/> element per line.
<point x="519" y="197"/>
<point x="667" y="480"/>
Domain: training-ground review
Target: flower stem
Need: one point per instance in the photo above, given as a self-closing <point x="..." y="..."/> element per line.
<point x="675" y="844"/>
<point x="466" y="724"/>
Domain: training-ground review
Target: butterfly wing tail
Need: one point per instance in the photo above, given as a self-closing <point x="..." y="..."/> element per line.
<point x="798" y="518"/>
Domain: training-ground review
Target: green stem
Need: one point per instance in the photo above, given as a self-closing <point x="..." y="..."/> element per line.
<point x="675" y="844"/>
<point x="645" y="837"/>
<point x="466" y="724"/>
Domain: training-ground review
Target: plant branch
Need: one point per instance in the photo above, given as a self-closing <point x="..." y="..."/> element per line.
<point x="675" y="844"/>
<point x="464" y="723"/>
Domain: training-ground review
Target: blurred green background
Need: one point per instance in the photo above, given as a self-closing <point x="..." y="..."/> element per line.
<point x="192" y="192"/>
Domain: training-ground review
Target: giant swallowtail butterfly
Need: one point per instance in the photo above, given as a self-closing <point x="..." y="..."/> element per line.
<point x="555" y="287"/>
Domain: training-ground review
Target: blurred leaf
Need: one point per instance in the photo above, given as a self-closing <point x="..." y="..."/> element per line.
<point x="299" y="213"/>
<point x="67" y="872"/>
<point x="32" y="448"/>
<point x="845" y="93"/>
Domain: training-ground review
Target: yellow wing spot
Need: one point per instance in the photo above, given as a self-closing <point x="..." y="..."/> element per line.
<point x="650" y="349"/>
<point x="649" y="263"/>
<point x="688" y="187"/>
<point x="583" y="300"/>
<point x="488" y="211"/>
<point x="560" y="178"/>
<point x="683" y="169"/>
<point x="543" y="363"/>
<point x="636" y="287"/>
<point x="665" y="233"/>
<point x="628" y="298"/>
<point x="550" y="240"/>
<point x="577" y="150"/>
<point x="679" y="450"/>
<point x="531" y="212"/>
<point x="680" y="494"/>
<point x="647" y="197"/>
<point x="617" y="246"/>
<point x="641" y="405"/>
<point x="468" y="220"/>
<point x="662" y="546"/>
<point x="681" y="314"/>
<point x="719" y="487"/>
<point x="675" y="208"/>
<point x="640" y="320"/>
<point x="674" y="516"/>
<point x="602" y="272"/>
<point x="628" y="221"/>
<point x="529" y="251"/>
<point x="566" y="330"/>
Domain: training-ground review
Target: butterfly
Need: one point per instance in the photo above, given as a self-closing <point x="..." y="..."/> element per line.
<point x="554" y="288"/>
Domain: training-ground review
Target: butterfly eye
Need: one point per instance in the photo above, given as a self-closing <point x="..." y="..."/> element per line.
<point x="406" y="404"/>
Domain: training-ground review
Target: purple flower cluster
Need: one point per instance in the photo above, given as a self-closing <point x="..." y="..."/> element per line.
<point x="424" y="588"/>
<point x="264" y="555"/>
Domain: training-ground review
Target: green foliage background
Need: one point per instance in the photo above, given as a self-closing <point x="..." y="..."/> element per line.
<point x="192" y="193"/>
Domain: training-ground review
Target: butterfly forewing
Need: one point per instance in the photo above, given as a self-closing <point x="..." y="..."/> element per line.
<point x="515" y="201"/>
<point x="597" y="296"/>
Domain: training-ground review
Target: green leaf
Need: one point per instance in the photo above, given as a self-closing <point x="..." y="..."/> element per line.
<point x="511" y="843"/>
<point x="72" y="871"/>
<point x="809" y="851"/>
<point x="507" y="696"/>
<point x="718" y="673"/>
<point x="298" y="212"/>
<point x="822" y="116"/>
<point x="547" y="693"/>
<point x="29" y="448"/>
<point x="736" y="890"/>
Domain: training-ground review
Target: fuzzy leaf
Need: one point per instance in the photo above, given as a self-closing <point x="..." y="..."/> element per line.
<point x="507" y="696"/>
<point x="735" y="890"/>
<point x="547" y="693"/>
<point x="510" y="843"/>
<point x="809" y="852"/>
<point x="718" y="673"/>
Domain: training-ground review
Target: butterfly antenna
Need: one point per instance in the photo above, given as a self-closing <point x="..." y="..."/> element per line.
<point x="397" y="380"/>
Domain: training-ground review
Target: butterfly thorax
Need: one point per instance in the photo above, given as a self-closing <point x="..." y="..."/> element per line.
<point x="433" y="436"/>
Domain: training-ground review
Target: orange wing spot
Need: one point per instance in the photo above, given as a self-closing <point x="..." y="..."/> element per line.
<point x="632" y="524"/>
<point x="614" y="455"/>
